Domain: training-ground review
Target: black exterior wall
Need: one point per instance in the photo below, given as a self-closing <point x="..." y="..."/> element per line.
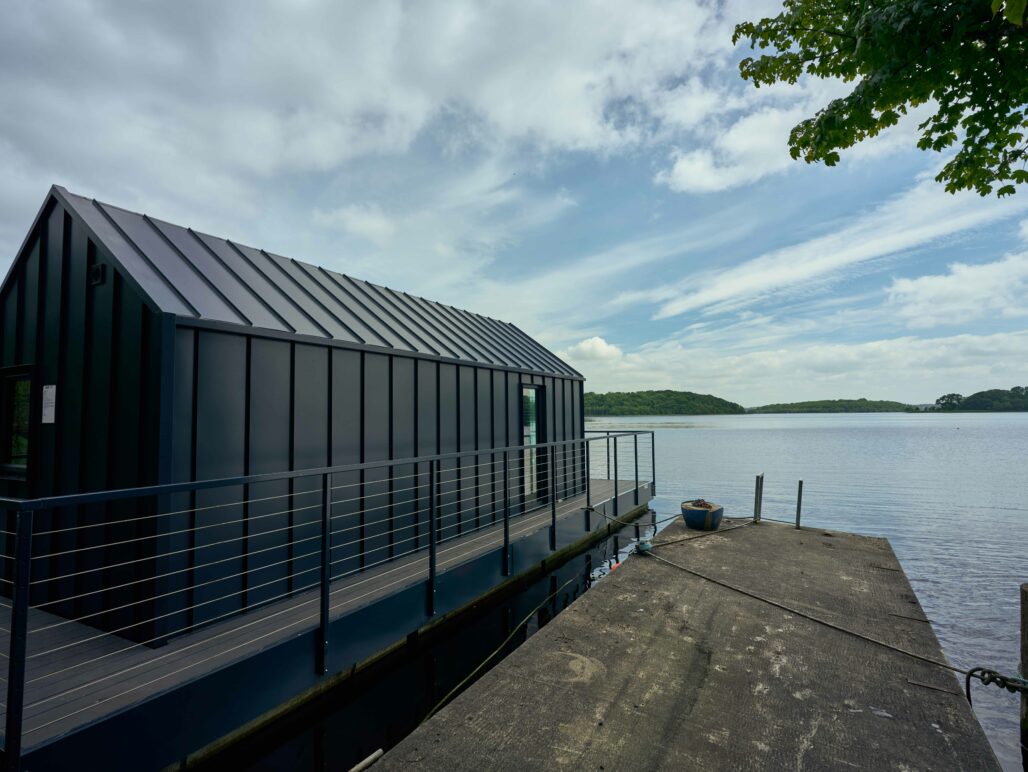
<point x="147" y="396"/>
<point x="247" y="404"/>
<point x="100" y="344"/>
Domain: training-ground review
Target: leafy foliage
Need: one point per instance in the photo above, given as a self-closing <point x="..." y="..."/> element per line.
<point x="949" y="401"/>
<point x="657" y="403"/>
<point x="968" y="57"/>
<point x="836" y="406"/>
<point x="991" y="400"/>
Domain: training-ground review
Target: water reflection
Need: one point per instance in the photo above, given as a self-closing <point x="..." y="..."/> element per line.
<point x="378" y="707"/>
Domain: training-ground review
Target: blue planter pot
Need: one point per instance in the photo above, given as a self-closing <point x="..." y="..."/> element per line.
<point x="700" y="517"/>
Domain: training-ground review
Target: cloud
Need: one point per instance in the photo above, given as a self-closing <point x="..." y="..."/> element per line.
<point x="919" y="216"/>
<point x="224" y="114"/>
<point x="594" y="281"/>
<point x="746" y="136"/>
<point x="905" y="368"/>
<point x="365" y="220"/>
<point x="592" y="350"/>
<point x="755" y="146"/>
<point x="543" y="162"/>
<point x="966" y="293"/>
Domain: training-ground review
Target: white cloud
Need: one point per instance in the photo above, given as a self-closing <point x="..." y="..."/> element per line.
<point x="966" y="293"/>
<point x="922" y="215"/>
<point x="565" y="301"/>
<point x="414" y="143"/>
<point x="228" y="115"/>
<point x="747" y="133"/>
<point x="365" y="220"/>
<point x="592" y="350"/>
<point x="1023" y="230"/>
<point x="905" y="368"/>
<point x="755" y="146"/>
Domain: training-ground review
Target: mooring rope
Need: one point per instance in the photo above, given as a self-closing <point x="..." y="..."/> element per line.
<point x="985" y="675"/>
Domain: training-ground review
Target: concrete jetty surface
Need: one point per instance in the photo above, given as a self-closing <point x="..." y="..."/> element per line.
<point x="655" y="668"/>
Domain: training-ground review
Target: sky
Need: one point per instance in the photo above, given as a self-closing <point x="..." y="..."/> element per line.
<point x="595" y="172"/>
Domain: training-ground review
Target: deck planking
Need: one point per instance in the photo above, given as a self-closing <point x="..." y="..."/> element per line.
<point x="77" y="674"/>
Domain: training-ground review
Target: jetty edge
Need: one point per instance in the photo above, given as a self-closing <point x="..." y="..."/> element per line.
<point x="656" y="668"/>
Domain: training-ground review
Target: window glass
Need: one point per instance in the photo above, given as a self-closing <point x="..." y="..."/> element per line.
<point x="528" y="417"/>
<point x="530" y="436"/>
<point x="17" y="392"/>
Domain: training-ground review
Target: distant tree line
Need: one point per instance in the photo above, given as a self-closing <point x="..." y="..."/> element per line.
<point x="658" y="403"/>
<point x="835" y="406"/>
<point x="669" y="402"/>
<point x="992" y="399"/>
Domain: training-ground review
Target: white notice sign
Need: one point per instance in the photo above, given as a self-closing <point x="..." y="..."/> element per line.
<point x="49" y="403"/>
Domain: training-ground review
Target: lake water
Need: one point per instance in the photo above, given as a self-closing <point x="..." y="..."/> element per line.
<point x="949" y="491"/>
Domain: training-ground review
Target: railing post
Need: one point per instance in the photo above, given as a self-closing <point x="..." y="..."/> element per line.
<point x="608" y="455"/>
<point x="799" y="502"/>
<point x="615" y="476"/>
<point x="506" y="513"/>
<point x="19" y="635"/>
<point x="635" y="452"/>
<point x="326" y="573"/>
<point x="757" y="497"/>
<point x="653" y="462"/>
<point x="553" y="498"/>
<point x="588" y="488"/>
<point x="433" y="469"/>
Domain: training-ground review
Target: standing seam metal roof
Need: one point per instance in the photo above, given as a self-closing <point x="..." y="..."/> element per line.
<point x="197" y="276"/>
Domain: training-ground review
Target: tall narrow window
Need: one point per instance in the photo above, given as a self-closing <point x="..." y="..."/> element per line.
<point x="532" y="433"/>
<point x="17" y="393"/>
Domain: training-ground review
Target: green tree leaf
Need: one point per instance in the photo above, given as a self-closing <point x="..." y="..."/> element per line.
<point x="1013" y="10"/>
<point x="965" y="57"/>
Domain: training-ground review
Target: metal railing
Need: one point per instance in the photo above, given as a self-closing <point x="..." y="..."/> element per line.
<point x="109" y="589"/>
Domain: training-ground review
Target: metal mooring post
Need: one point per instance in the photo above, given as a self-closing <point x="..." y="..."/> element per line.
<point x="433" y="504"/>
<point x="1024" y="674"/>
<point x="321" y="664"/>
<point x="506" y="513"/>
<point x="757" y="497"/>
<point x="19" y="634"/>
<point x="799" y="502"/>
<point x="553" y="498"/>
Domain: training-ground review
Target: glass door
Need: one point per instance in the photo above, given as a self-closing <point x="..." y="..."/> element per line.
<point x="531" y="434"/>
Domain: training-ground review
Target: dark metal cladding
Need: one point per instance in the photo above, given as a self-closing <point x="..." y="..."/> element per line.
<point x="196" y="276"/>
<point x="177" y="356"/>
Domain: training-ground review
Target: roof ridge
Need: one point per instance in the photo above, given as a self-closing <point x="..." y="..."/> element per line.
<point x="233" y="286"/>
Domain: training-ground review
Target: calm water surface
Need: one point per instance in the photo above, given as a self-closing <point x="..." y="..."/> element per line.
<point x="949" y="491"/>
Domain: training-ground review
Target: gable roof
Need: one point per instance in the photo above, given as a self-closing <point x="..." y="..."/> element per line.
<point x="197" y="276"/>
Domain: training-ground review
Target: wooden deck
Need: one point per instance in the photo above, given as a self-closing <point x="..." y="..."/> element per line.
<point x="76" y="674"/>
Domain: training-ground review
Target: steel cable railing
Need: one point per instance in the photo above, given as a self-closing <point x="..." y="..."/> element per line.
<point x="93" y="683"/>
<point x="91" y="599"/>
<point x="461" y="500"/>
<point x="260" y="568"/>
